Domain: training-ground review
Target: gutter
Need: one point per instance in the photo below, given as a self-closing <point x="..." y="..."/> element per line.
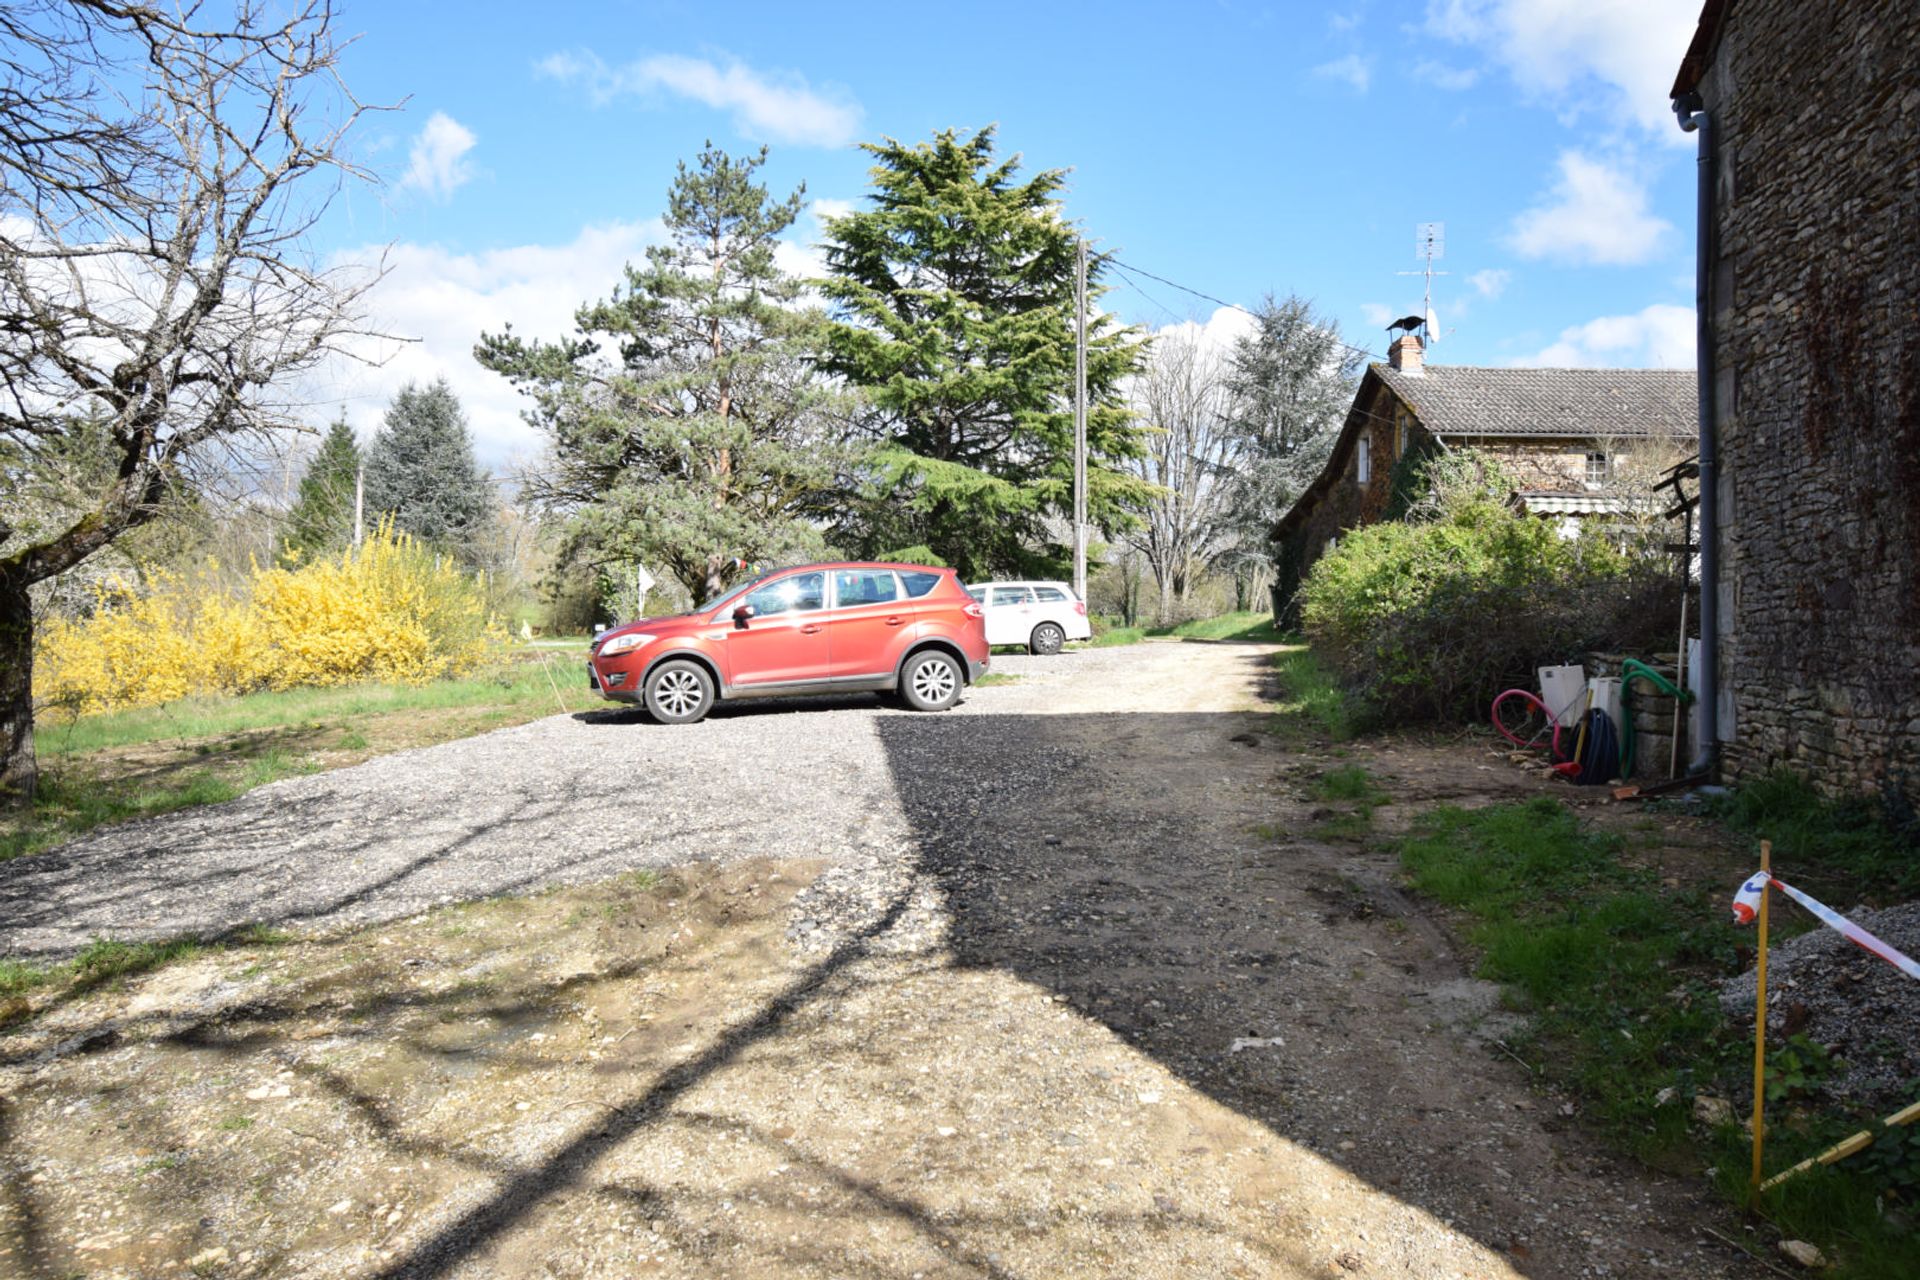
<point x="1692" y="115"/>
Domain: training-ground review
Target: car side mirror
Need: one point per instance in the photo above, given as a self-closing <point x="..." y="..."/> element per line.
<point x="742" y="612"/>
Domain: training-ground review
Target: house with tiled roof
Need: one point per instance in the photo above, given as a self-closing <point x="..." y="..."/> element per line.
<point x="1562" y="434"/>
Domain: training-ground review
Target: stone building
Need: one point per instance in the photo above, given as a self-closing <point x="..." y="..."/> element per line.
<point x="1814" y="320"/>
<point x="1562" y="434"/>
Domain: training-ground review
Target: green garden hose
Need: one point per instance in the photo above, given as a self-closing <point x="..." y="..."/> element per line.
<point x="1634" y="669"/>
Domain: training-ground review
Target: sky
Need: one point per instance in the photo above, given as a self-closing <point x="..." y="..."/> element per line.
<point x="1236" y="149"/>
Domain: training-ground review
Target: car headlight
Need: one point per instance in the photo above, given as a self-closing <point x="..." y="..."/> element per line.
<point x="625" y="644"/>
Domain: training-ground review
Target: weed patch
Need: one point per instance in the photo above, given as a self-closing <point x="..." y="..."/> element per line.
<point x="1618" y="975"/>
<point x="1113" y="637"/>
<point x="1308" y="692"/>
<point x="1849" y="843"/>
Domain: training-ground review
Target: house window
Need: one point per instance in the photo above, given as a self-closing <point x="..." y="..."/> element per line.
<point x="1364" y="465"/>
<point x="1599" y="469"/>
<point x="1400" y="433"/>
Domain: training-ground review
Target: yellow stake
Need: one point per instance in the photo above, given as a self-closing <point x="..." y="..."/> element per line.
<point x="1846" y="1146"/>
<point x="1760" y="1022"/>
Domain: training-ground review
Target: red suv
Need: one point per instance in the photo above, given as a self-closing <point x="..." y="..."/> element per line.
<point x="818" y="628"/>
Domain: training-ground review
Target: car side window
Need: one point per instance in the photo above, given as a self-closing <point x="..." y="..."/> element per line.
<point x="1012" y="595"/>
<point x="1050" y="595"/>
<point x="798" y="594"/>
<point x="864" y="586"/>
<point x="918" y="584"/>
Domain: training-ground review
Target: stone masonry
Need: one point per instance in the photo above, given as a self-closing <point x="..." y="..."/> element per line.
<point x="1816" y="316"/>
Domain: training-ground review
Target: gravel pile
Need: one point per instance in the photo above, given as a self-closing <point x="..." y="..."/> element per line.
<point x="1865" y="1011"/>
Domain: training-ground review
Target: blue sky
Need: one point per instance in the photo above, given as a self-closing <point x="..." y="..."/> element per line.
<point x="1236" y="148"/>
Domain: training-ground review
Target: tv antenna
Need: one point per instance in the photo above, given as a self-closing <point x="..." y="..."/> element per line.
<point x="1429" y="245"/>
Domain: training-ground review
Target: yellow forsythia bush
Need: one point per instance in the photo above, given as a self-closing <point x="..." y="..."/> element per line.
<point x="388" y="610"/>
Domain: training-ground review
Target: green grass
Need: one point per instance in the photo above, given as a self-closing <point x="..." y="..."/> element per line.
<point x="64" y="808"/>
<point x="105" y="960"/>
<point x="1308" y="692"/>
<point x="1113" y="637"/>
<point x="507" y="684"/>
<point x="1618" y="976"/>
<point x="1227" y="626"/>
<point x="994" y="678"/>
<point x="208" y="750"/>
<point x="1349" y="782"/>
<point x="1850" y="844"/>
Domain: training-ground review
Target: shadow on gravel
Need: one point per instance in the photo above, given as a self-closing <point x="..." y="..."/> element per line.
<point x="1127" y="893"/>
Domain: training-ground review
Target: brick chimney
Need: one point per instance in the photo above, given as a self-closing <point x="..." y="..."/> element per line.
<point x="1406" y="355"/>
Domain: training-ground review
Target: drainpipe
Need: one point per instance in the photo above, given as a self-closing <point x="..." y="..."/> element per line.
<point x="1692" y="114"/>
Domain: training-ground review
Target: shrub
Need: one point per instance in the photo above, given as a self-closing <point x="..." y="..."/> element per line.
<point x="388" y="610"/>
<point x="1430" y="621"/>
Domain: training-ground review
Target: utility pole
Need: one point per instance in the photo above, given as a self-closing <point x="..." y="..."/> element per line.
<point x="1080" y="421"/>
<point x="359" y="499"/>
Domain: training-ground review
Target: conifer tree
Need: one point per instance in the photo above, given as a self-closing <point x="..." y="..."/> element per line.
<point x="322" y="515"/>
<point x="421" y="469"/>
<point x="955" y="301"/>
<point x="688" y="429"/>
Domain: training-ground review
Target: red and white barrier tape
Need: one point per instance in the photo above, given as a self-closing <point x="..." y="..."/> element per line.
<point x="1746" y="903"/>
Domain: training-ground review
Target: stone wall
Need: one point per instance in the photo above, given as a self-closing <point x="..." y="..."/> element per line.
<point x="1348" y="503"/>
<point x="1816" y="308"/>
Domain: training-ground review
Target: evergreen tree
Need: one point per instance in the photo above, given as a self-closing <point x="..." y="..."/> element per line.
<point x="1291" y="383"/>
<point x="421" y="469"/>
<point x="687" y="427"/>
<point x="955" y="295"/>
<point x="322" y="515"/>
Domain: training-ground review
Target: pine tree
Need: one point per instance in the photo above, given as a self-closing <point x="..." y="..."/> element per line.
<point x="421" y="469"/>
<point x="322" y="515"/>
<point x="1291" y="383"/>
<point x="688" y="429"/>
<point x="955" y="294"/>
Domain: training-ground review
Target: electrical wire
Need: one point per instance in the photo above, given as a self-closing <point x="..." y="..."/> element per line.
<point x="1132" y="270"/>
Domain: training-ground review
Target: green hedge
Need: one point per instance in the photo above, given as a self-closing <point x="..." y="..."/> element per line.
<point x="1430" y="620"/>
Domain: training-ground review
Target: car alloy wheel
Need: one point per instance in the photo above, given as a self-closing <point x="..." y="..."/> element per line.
<point x="1046" y="638"/>
<point x="679" y="693"/>
<point x="931" y="682"/>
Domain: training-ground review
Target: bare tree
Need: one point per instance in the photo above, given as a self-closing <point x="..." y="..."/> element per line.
<point x="1192" y="451"/>
<point x="159" y="173"/>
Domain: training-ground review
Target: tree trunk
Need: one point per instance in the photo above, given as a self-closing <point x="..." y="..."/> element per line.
<point x="18" y="771"/>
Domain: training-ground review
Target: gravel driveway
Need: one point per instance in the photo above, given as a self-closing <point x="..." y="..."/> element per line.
<point x="1078" y="992"/>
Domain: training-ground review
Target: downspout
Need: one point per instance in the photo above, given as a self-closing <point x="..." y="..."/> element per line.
<point x="1693" y="118"/>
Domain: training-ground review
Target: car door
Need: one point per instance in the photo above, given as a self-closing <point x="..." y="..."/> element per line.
<point x="785" y="641"/>
<point x="1009" y="615"/>
<point x="870" y="624"/>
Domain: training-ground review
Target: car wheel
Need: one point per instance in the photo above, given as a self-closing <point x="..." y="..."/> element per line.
<point x="1046" y="638"/>
<point x="679" y="692"/>
<point x="930" y="681"/>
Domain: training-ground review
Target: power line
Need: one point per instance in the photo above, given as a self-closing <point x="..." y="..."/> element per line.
<point x="1207" y="297"/>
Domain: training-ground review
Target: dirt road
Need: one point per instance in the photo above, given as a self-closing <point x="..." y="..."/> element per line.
<point x="1055" y="985"/>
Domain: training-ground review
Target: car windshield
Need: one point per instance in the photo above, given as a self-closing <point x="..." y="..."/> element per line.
<point x="731" y="592"/>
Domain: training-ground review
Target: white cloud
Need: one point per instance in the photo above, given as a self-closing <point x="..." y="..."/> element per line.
<point x="445" y="300"/>
<point x="824" y="209"/>
<point x="1442" y="76"/>
<point x="1659" y="337"/>
<point x="438" y="161"/>
<point x="779" y="107"/>
<point x="1490" y="283"/>
<point x="1218" y="332"/>
<point x="1352" y="69"/>
<point x="1595" y="214"/>
<point x="1572" y="54"/>
<point x="1378" y="314"/>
